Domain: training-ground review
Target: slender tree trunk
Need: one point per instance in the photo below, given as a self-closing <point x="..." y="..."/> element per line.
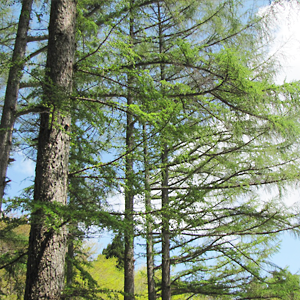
<point x="129" y="232"/>
<point x="166" y="277"/>
<point x="129" y="195"/>
<point x="150" y="254"/>
<point x="11" y="94"/>
<point x="48" y="235"/>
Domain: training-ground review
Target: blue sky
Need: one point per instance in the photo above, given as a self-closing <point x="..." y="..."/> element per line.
<point x="288" y="256"/>
<point x="22" y="174"/>
<point x="287" y="46"/>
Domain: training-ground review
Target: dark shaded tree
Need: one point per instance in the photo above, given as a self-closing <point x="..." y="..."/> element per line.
<point x="116" y="249"/>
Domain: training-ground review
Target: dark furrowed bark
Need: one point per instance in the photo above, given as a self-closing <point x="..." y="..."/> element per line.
<point x="48" y="235"/>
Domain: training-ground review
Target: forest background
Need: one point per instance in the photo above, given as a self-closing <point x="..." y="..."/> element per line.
<point x="25" y="143"/>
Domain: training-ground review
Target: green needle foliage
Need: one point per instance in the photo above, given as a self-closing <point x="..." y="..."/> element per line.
<point x="202" y="90"/>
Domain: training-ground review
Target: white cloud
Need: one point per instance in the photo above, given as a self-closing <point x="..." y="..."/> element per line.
<point x="285" y="19"/>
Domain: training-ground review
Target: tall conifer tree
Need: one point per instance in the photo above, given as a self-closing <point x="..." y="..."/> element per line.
<point x="129" y="180"/>
<point x="9" y="111"/>
<point x="214" y="128"/>
<point x="48" y="234"/>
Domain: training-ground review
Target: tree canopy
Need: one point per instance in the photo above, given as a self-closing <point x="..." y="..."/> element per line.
<point x="173" y="109"/>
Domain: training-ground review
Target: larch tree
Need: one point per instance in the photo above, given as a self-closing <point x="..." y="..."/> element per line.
<point x="9" y="112"/>
<point x="223" y="142"/>
<point x="48" y="234"/>
<point x="129" y="183"/>
<point x="172" y="102"/>
<point x="233" y="147"/>
<point x="165" y="202"/>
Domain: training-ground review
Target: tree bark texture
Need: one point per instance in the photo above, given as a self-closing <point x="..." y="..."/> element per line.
<point x="48" y="235"/>
<point x="149" y="220"/>
<point x="129" y="198"/>
<point x="129" y="194"/>
<point x="11" y="93"/>
<point x="69" y="265"/>
<point x="166" y="276"/>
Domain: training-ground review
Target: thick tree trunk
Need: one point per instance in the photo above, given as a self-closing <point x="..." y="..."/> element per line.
<point x="48" y="235"/>
<point x="149" y="237"/>
<point x="11" y="94"/>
